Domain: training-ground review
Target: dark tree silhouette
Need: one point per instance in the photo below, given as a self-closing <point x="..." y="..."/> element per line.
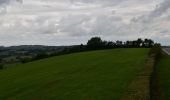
<point x="148" y="43"/>
<point x="139" y="42"/>
<point x="151" y="43"/>
<point x="111" y="44"/>
<point x="94" y="43"/>
<point x="119" y="43"/>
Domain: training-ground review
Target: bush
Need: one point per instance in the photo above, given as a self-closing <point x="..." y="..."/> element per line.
<point x="1" y="67"/>
<point x="41" y="56"/>
<point x="156" y="51"/>
<point x="25" y="60"/>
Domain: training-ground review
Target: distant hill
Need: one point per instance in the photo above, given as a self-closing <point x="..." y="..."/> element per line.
<point x="14" y="54"/>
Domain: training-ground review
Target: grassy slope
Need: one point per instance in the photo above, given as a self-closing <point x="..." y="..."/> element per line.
<point x="164" y="75"/>
<point x="98" y="75"/>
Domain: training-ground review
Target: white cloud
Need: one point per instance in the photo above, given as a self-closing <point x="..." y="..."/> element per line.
<point x="64" y="22"/>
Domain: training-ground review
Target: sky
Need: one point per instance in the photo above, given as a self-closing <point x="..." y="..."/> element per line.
<point x="70" y="22"/>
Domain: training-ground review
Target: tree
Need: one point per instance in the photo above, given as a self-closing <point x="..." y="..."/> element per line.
<point x="94" y="43"/>
<point x="139" y="42"/>
<point x="148" y="43"/>
<point x="134" y="43"/>
<point x="111" y="44"/>
<point x="119" y="43"/>
<point x="129" y="44"/>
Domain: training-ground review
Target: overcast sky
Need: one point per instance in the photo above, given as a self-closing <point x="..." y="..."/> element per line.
<point x="66" y="22"/>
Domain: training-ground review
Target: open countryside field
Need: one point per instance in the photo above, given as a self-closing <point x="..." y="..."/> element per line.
<point x="96" y="75"/>
<point x="164" y="74"/>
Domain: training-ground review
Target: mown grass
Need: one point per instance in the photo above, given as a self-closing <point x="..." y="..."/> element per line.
<point x="163" y="69"/>
<point x="139" y="88"/>
<point x="97" y="75"/>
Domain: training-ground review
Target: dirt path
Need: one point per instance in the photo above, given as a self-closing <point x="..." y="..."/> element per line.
<point x="139" y="89"/>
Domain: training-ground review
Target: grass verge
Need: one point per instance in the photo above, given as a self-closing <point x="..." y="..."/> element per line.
<point x="141" y="87"/>
<point x="163" y="74"/>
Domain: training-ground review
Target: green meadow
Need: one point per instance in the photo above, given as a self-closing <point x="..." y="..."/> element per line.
<point x="95" y="75"/>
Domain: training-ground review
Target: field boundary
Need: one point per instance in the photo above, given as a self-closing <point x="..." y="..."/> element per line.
<point x="156" y="89"/>
<point x="139" y="88"/>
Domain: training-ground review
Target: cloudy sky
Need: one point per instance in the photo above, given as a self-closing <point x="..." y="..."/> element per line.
<point x="65" y="22"/>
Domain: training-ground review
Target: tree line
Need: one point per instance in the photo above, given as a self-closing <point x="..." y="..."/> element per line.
<point x="96" y="43"/>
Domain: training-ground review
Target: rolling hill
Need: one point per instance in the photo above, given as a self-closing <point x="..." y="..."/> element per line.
<point x="95" y="75"/>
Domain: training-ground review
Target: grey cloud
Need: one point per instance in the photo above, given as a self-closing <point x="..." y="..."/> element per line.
<point x="80" y="25"/>
<point x="153" y="23"/>
<point x="84" y="25"/>
<point x="4" y="2"/>
<point x="46" y="21"/>
<point x="160" y="9"/>
<point x="100" y="2"/>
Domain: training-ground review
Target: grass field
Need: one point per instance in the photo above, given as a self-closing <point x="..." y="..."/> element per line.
<point x="164" y="75"/>
<point x="97" y="75"/>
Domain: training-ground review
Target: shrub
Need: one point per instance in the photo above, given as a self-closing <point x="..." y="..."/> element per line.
<point x="1" y="66"/>
<point x="25" y="60"/>
<point x="41" y="56"/>
<point x="156" y="51"/>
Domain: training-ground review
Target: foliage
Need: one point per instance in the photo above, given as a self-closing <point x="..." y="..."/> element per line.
<point x="25" y="60"/>
<point x="156" y="51"/>
<point x="96" y="43"/>
<point x="1" y="66"/>
<point x="41" y="56"/>
<point x="163" y="70"/>
<point x="155" y="55"/>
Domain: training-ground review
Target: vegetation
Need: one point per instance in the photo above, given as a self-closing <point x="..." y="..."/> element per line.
<point x="156" y="54"/>
<point x="163" y="76"/>
<point x="16" y="54"/>
<point x="95" y="43"/>
<point x="1" y="66"/>
<point x="97" y="75"/>
<point x="144" y="84"/>
<point x="156" y="51"/>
